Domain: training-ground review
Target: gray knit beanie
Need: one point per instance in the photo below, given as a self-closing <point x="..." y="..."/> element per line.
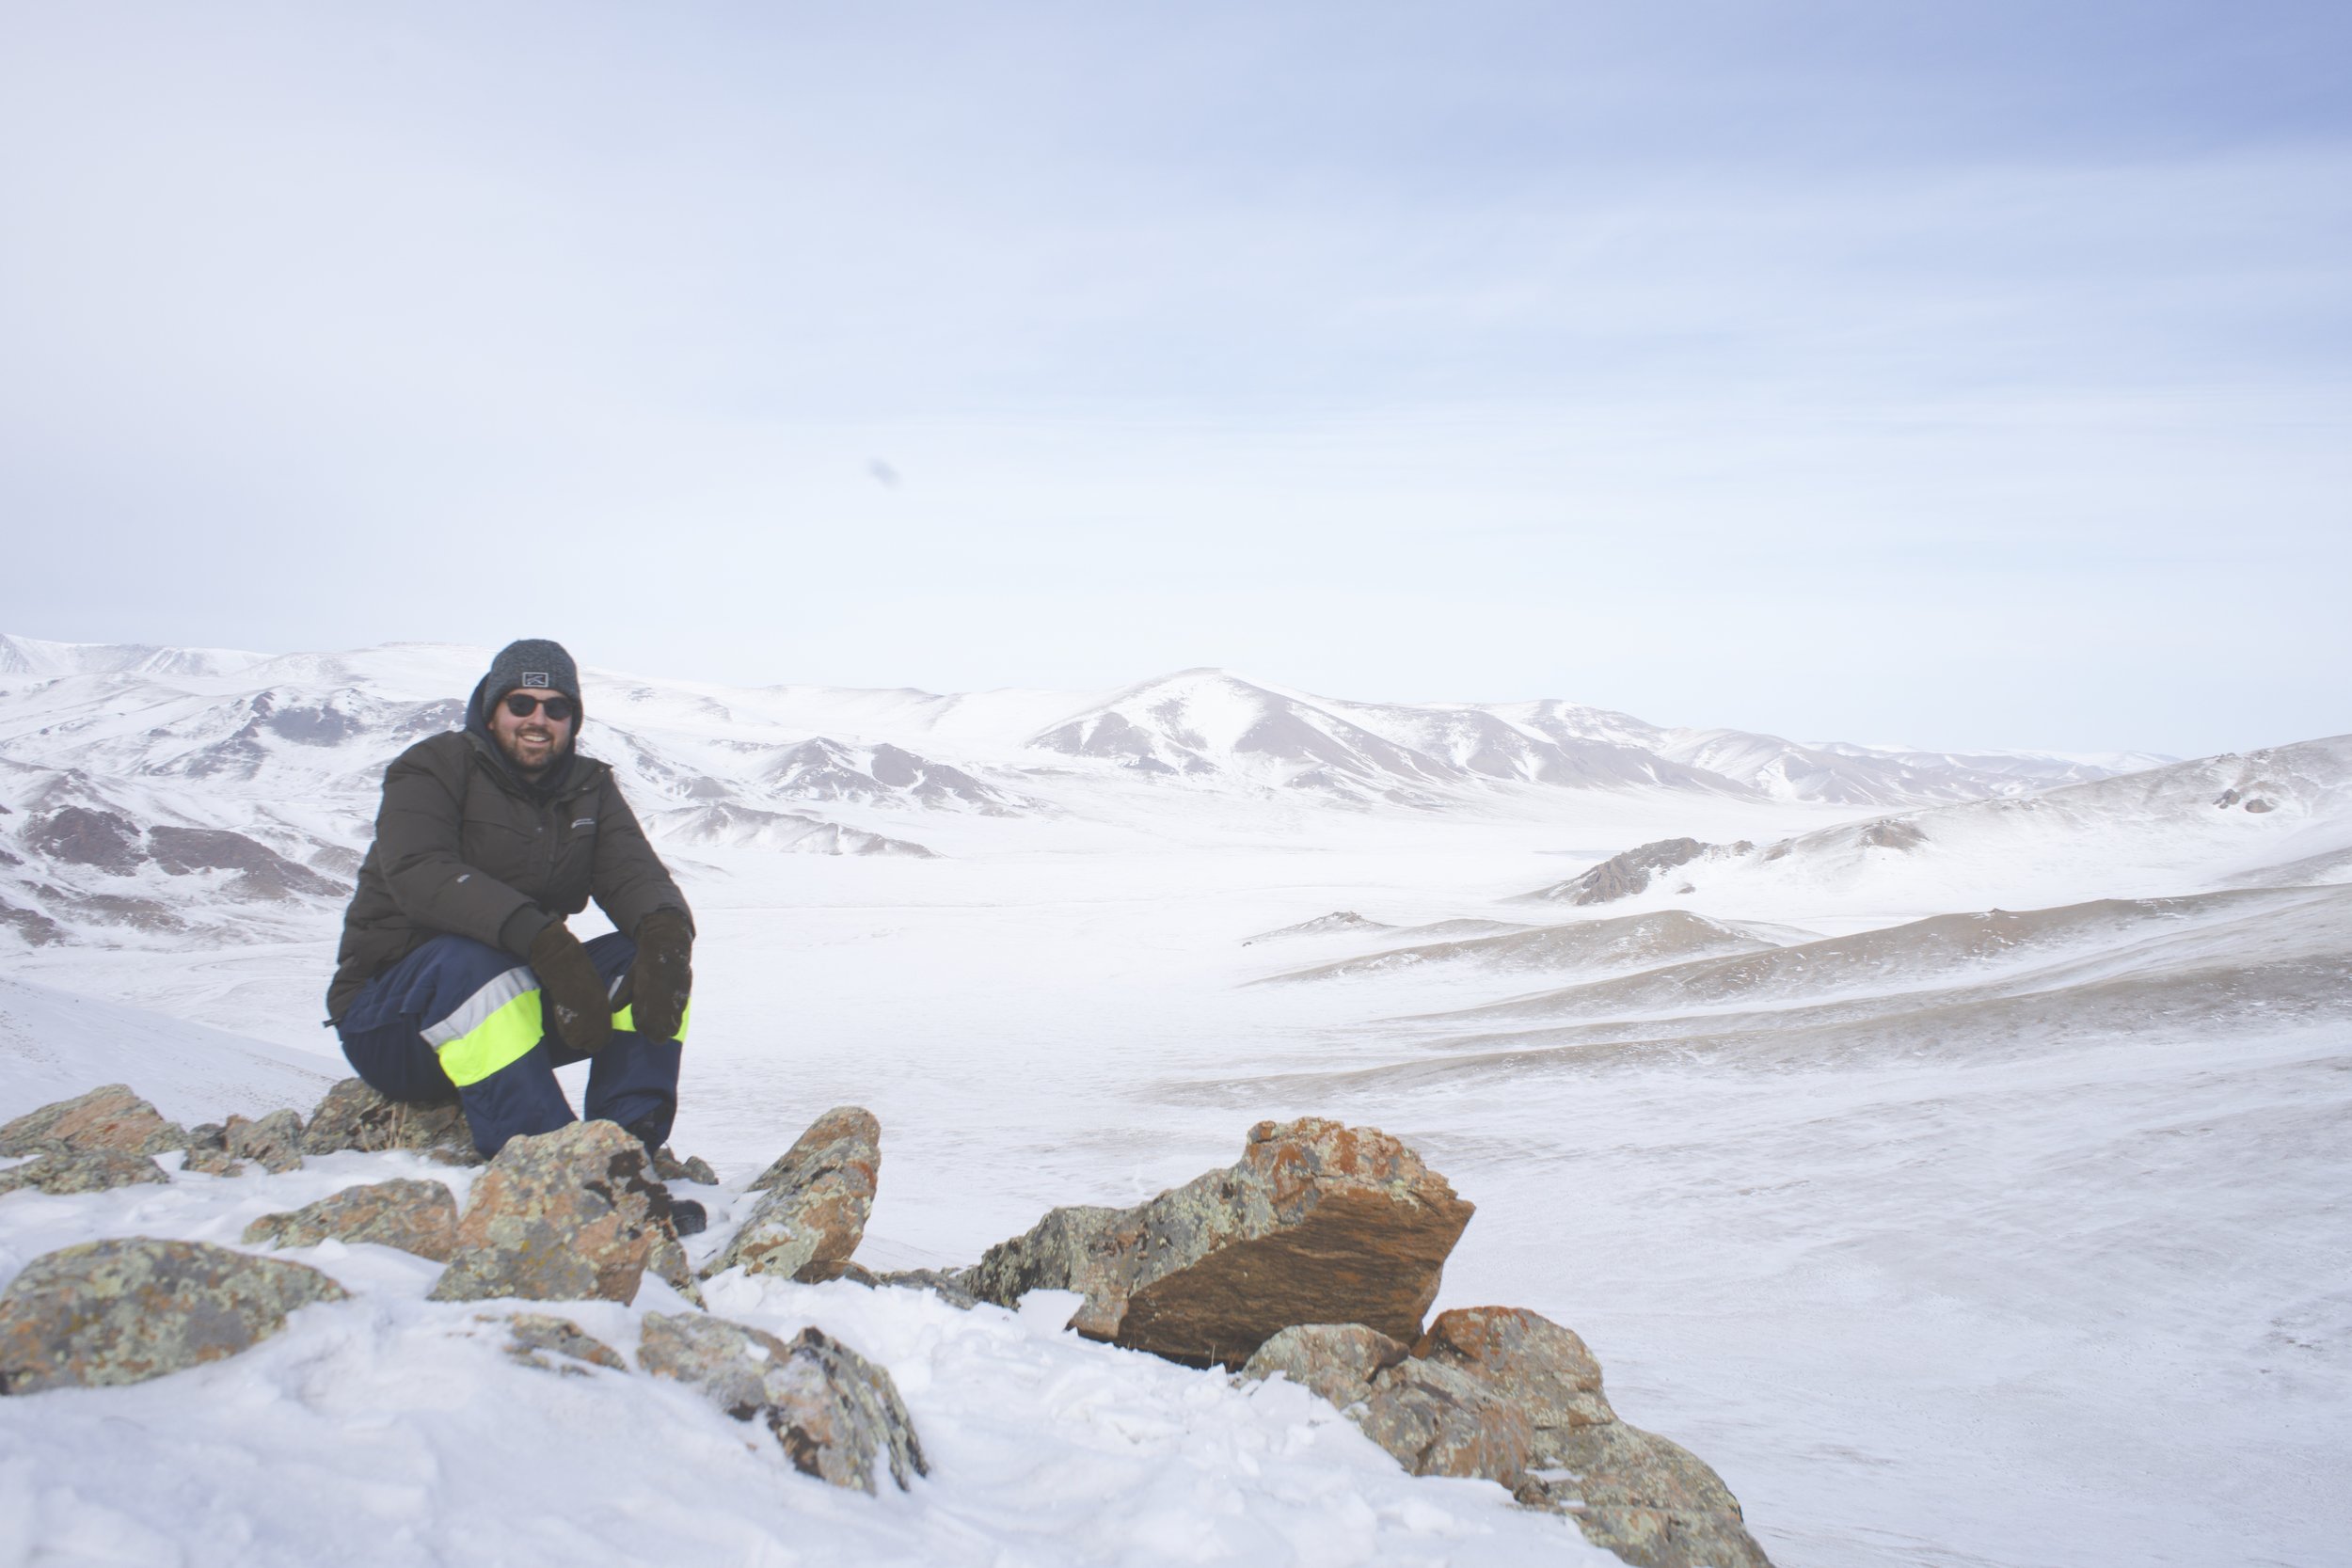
<point x="536" y="661"/>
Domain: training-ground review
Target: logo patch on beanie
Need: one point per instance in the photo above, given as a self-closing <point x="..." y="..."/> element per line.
<point x="537" y="678"/>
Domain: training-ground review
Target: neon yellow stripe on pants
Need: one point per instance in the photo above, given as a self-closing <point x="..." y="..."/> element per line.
<point x="626" y="1019"/>
<point x="503" y="1036"/>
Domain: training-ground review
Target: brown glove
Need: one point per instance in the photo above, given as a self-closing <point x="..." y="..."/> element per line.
<point x="572" y="997"/>
<point x="662" y="974"/>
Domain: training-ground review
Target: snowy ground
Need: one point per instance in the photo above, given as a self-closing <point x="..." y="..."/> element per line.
<point x="2016" y="1241"/>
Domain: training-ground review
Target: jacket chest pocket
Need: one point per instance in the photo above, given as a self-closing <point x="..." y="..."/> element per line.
<point x="575" y="842"/>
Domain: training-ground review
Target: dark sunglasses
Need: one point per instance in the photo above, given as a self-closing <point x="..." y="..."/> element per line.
<point x="522" y="705"/>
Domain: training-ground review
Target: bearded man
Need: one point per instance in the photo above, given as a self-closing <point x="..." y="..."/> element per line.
<point x="456" y="975"/>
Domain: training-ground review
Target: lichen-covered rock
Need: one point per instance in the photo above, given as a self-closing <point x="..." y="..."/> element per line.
<point x="415" y="1216"/>
<point x="1503" y="1393"/>
<point x="568" y="1215"/>
<point x="355" y="1116"/>
<point x="1440" y="1420"/>
<point x="124" y="1310"/>
<point x="273" y="1142"/>
<point x="1318" y="1223"/>
<point x="531" y="1333"/>
<point x="1335" y="1360"/>
<point x="945" y="1284"/>
<point x="815" y="1199"/>
<point x="213" y="1162"/>
<point x="109" y="1117"/>
<point x="692" y="1168"/>
<point x="835" y="1413"/>
<point x="81" y="1170"/>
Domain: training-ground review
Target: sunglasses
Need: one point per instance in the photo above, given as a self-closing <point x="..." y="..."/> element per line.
<point x="523" y="706"/>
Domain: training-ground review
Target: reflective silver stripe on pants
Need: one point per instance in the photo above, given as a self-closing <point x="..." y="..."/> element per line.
<point x="475" y="1009"/>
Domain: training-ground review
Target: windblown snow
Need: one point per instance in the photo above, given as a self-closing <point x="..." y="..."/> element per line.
<point x="1949" y="1147"/>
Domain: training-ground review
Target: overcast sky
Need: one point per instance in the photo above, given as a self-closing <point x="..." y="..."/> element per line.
<point x="1959" y="374"/>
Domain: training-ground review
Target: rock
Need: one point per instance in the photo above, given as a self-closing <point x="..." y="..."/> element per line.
<point x="110" y="1116"/>
<point x="692" y="1168"/>
<point x="533" y="1332"/>
<point x="834" y="1412"/>
<point x="568" y="1215"/>
<point x="207" y="1135"/>
<point x="1335" y="1360"/>
<point x="817" y="1196"/>
<point x="945" y="1285"/>
<point x="273" y="1142"/>
<point x="355" y="1116"/>
<point x="1316" y="1223"/>
<point x="127" y="1310"/>
<point x="1503" y="1393"/>
<point x="81" y="1170"/>
<point x="213" y="1162"/>
<point x="414" y="1216"/>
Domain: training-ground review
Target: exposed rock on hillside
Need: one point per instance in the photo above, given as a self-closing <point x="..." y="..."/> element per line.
<point x="81" y="1170"/>
<point x="125" y="1310"/>
<point x="1316" y="1222"/>
<point x="568" y="1215"/>
<point x="354" y="1116"/>
<point x="108" y="1117"/>
<point x="818" y="1194"/>
<point x="535" y="1335"/>
<point x="1504" y="1394"/>
<point x="274" y="1141"/>
<point x="1623" y="876"/>
<point x="414" y="1216"/>
<point x="835" y="1413"/>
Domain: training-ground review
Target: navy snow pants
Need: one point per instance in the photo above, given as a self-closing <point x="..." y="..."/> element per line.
<point x="461" y="1016"/>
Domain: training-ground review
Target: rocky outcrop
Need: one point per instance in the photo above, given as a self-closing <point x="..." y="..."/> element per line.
<point x="1318" y="1223"/>
<point x="694" y="1168"/>
<point x="568" y="1215"/>
<point x="1623" y="876"/>
<point x="109" y="1117"/>
<point x="355" y="1116"/>
<point x="535" y="1335"/>
<point x="273" y="1142"/>
<point x="83" y="1170"/>
<point x="1503" y="1393"/>
<point x="836" y="1415"/>
<point x="125" y="1310"/>
<point x="814" y="1200"/>
<point x="415" y="1216"/>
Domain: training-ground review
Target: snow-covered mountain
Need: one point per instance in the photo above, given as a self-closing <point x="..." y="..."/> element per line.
<point x="149" y="792"/>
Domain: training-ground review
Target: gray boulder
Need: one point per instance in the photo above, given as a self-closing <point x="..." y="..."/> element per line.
<point x="109" y="1117"/>
<point x="273" y="1142"/>
<point x="414" y="1216"/>
<point x="128" y="1309"/>
<point x="355" y="1116"/>
<point x="814" y="1201"/>
<point x="1503" y="1393"/>
<point x="835" y="1413"/>
<point x="535" y="1335"/>
<point x="89" y="1170"/>
<point x="568" y="1215"/>
<point x="1318" y="1223"/>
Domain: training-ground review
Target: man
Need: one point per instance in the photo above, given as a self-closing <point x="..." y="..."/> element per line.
<point x="456" y="972"/>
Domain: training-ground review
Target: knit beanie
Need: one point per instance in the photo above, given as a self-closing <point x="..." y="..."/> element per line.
<point x="534" y="662"/>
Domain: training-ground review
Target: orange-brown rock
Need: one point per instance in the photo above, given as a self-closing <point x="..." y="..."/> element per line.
<point x="814" y="1200"/>
<point x="1318" y="1223"/>
<point x="568" y="1215"/>
<point x="109" y="1117"/>
<point x="420" y="1217"/>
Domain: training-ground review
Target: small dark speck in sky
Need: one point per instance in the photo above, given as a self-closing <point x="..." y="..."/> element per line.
<point x="884" y="475"/>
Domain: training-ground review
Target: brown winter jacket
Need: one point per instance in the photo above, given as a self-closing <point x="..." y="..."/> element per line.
<point x="464" y="845"/>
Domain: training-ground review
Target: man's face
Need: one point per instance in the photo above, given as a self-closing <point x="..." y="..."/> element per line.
<point x="532" y="740"/>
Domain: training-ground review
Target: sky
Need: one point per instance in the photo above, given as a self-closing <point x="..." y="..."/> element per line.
<point x="1957" y="375"/>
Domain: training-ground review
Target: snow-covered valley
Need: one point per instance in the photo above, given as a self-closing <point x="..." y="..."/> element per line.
<point x="1950" y="1149"/>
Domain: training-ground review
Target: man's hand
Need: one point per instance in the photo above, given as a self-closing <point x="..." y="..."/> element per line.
<point x="663" y="974"/>
<point x="571" y="994"/>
